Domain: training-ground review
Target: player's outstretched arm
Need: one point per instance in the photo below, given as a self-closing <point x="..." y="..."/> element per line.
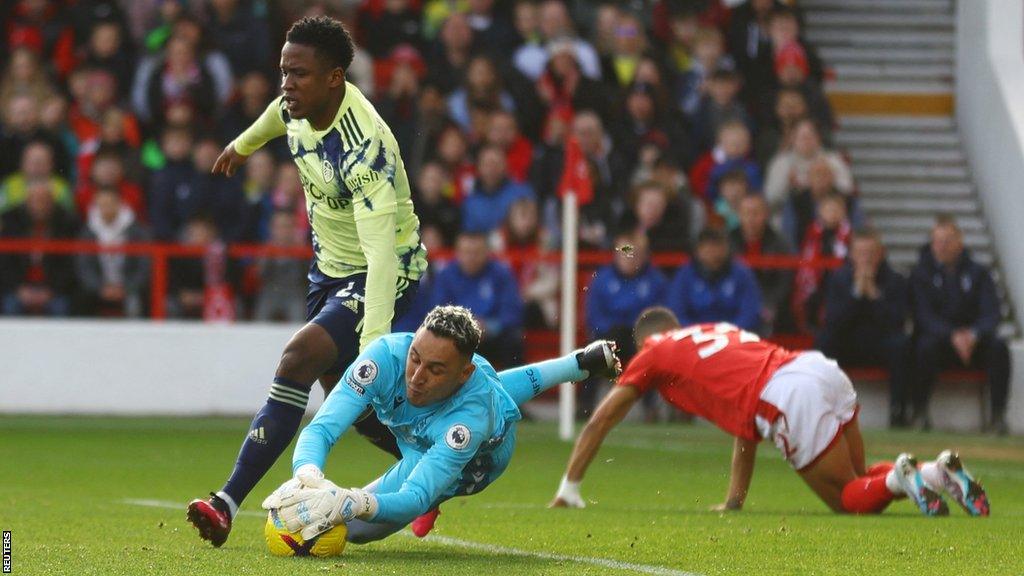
<point x="743" y="455"/>
<point x="229" y="161"/>
<point x="612" y="410"/>
<point x="268" y="126"/>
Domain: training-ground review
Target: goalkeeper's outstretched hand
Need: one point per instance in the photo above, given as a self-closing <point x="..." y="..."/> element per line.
<point x="315" y="510"/>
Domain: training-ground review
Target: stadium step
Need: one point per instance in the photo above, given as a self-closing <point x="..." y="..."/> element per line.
<point x="919" y="205"/>
<point x="914" y="190"/>
<point x="834" y="55"/>
<point x="878" y="171"/>
<point x="894" y="239"/>
<point x="922" y="224"/>
<point x="940" y="39"/>
<point x="879" y="20"/>
<point x="906" y="156"/>
<point x="863" y="72"/>
<point x="887" y="6"/>
<point x="898" y="138"/>
<point x="909" y="123"/>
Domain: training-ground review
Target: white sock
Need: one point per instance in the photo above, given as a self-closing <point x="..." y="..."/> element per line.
<point x="232" y="507"/>
<point x="932" y="476"/>
<point x="893" y="484"/>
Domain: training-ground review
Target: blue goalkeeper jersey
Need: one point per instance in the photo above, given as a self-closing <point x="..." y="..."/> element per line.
<point x="440" y="439"/>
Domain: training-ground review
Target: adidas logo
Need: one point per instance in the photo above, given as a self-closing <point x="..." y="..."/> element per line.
<point x="352" y="305"/>
<point x="257" y="436"/>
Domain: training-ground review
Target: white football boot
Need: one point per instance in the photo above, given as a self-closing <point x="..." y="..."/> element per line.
<point x="909" y="477"/>
<point x="960" y="485"/>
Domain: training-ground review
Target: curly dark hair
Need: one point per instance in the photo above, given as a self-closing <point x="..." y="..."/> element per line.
<point x="456" y="324"/>
<point x="327" y="36"/>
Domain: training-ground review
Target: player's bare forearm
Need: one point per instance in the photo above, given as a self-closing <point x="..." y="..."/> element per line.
<point x="743" y="458"/>
<point x="612" y="410"/>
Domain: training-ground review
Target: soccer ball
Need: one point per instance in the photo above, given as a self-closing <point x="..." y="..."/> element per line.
<point x="281" y="542"/>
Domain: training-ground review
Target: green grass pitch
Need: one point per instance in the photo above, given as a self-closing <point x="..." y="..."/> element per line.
<point x="65" y="484"/>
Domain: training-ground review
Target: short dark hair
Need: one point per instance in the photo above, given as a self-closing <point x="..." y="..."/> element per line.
<point x="456" y="324"/>
<point x="653" y="320"/>
<point x="867" y="233"/>
<point x="327" y="36"/>
<point x="735" y="175"/>
<point x="709" y="234"/>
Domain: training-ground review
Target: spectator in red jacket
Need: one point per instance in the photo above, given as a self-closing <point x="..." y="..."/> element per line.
<point x="108" y="172"/>
<point x="503" y="132"/>
<point x="41" y="26"/>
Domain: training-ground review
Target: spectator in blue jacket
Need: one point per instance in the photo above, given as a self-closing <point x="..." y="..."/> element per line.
<point x="956" y="317"/>
<point x="715" y="287"/>
<point x="489" y="289"/>
<point x="184" y="190"/>
<point x="866" y="315"/>
<point x="493" y="194"/>
<point x="617" y="295"/>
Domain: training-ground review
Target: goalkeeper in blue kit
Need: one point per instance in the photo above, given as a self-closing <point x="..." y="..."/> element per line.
<point x="453" y="415"/>
<point x="368" y="255"/>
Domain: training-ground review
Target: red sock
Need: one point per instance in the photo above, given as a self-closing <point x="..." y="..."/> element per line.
<point x="868" y="494"/>
<point x="877" y="468"/>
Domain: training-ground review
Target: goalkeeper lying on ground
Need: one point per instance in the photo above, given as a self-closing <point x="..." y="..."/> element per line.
<point x="454" y="418"/>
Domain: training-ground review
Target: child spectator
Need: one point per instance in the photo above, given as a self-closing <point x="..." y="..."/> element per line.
<point x="731" y="152"/>
<point x="828" y="236"/>
<point x="733" y="188"/>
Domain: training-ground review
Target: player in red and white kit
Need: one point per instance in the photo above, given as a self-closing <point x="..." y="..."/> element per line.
<point x="755" y="390"/>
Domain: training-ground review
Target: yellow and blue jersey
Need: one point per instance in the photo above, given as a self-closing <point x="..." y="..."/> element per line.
<point x="358" y="199"/>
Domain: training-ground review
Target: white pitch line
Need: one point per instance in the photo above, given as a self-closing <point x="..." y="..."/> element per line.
<point x="470" y="545"/>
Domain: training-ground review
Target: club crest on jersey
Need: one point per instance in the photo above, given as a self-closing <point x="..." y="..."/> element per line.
<point x="328" y="171"/>
<point x="457" y="437"/>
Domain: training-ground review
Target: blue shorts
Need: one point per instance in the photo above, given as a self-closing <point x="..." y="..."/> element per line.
<point x="337" y="305"/>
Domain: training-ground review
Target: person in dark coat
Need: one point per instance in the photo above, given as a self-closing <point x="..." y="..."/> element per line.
<point x="865" y="318"/>
<point x="956" y="317"/>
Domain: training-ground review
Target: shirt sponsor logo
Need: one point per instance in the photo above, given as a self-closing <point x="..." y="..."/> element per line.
<point x="352" y="384"/>
<point x="457" y="437"/>
<point x="356" y="182"/>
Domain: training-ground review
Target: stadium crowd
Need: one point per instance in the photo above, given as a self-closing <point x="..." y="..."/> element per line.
<point x="686" y="126"/>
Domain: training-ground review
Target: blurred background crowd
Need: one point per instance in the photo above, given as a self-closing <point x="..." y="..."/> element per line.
<point x="694" y="127"/>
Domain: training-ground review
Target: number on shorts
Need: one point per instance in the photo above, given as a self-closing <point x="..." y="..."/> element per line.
<point x="716" y="340"/>
<point x="347" y="291"/>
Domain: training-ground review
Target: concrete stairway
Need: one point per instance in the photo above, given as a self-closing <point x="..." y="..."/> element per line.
<point x="892" y="87"/>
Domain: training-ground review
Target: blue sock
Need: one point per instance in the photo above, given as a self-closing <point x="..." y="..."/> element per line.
<point x="525" y="382"/>
<point x="270" y="433"/>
